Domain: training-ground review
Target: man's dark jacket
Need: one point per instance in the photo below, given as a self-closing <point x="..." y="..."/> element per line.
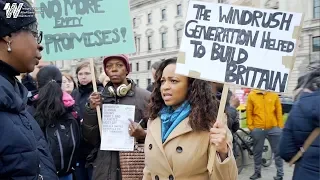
<point x="106" y="165"/>
<point x="24" y="153"/>
<point x="150" y="87"/>
<point x="81" y="95"/>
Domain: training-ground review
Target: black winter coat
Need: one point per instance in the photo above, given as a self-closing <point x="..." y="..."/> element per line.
<point x="24" y="153"/>
<point x="81" y="96"/>
<point x="106" y="165"/>
<point x="304" y="117"/>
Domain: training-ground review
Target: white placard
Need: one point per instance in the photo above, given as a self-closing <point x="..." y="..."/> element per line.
<point x="238" y="45"/>
<point x="115" y="126"/>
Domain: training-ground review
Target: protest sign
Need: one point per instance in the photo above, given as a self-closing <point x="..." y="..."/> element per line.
<point x="83" y="29"/>
<point x="239" y="45"/>
<point x="115" y="127"/>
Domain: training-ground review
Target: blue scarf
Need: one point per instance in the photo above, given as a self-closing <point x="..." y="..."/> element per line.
<point x="171" y="118"/>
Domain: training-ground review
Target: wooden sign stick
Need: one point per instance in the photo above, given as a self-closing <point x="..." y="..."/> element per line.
<point x="95" y="89"/>
<point x="222" y="105"/>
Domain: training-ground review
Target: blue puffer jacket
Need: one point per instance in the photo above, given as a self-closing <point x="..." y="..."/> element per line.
<point x="23" y="150"/>
<point x="303" y="119"/>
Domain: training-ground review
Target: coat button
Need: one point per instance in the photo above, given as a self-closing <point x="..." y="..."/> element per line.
<point x="150" y="146"/>
<point x="179" y="149"/>
<point x="171" y="177"/>
<point x="156" y="177"/>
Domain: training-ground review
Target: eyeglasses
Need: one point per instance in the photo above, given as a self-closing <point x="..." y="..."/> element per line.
<point x="36" y="34"/>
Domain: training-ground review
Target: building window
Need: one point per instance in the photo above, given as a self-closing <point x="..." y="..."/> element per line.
<point x="149" y="18"/>
<point x="149" y="81"/>
<point x="316" y="9"/>
<point x="137" y="42"/>
<point x="149" y="65"/>
<point x="134" y="22"/>
<point x="163" y="39"/>
<point x="163" y="14"/>
<point x="149" y="43"/>
<point x="130" y="66"/>
<point x="179" y="10"/>
<point x="220" y="1"/>
<point x="137" y="82"/>
<point x="179" y="36"/>
<point x="316" y="44"/>
<point x="137" y="66"/>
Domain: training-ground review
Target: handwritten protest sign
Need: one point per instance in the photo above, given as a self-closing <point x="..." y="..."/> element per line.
<point x="115" y="127"/>
<point x="239" y="45"/>
<point x="82" y="28"/>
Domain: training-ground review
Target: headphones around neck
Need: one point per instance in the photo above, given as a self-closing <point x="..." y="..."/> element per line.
<point x="121" y="91"/>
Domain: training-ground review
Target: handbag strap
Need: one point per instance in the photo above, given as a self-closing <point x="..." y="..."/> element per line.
<point x="314" y="134"/>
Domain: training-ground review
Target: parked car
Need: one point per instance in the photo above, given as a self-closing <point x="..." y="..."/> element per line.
<point x="286" y="102"/>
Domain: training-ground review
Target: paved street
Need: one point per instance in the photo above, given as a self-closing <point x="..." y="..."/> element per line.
<point x="267" y="173"/>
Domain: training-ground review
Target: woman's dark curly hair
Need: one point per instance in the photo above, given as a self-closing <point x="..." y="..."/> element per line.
<point x="204" y="106"/>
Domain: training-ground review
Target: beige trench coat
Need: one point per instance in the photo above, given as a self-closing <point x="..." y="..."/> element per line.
<point x="185" y="155"/>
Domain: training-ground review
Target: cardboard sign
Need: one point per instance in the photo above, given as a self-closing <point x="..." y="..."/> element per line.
<point x="81" y="28"/>
<point x="239" y="45"/>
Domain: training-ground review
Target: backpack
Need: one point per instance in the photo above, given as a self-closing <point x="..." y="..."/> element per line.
<point x="63" y="139"/>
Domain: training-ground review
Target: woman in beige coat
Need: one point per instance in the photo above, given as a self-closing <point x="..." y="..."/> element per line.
<point x="184" y="142"/>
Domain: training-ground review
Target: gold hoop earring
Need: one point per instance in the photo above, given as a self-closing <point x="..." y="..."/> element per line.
<point x="9" y="46"/>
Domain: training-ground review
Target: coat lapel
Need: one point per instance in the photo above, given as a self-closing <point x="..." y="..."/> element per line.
<point x="182" y="128"/>
<point x="154" y="128"/>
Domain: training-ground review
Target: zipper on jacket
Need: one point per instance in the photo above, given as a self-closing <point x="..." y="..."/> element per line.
<point x="74" y="147"/>
<point x="60" y="147"/>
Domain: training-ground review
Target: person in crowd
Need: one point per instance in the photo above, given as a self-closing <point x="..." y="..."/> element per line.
<point x="182" y="130"/>
<point x="29" y="79"/>
<point x="302" y="79"/>
<point x="68" y="83"/>
<point x="29" y="82"/>
<point x="233" y="114"/>
<point x="232" y="104"/>
<point x="264" y="120"/>
<point x="304" y="117"/>
<point x="119" y="90"/>
<point x="24" y="152"/>
<point x="55" y="113"/>
<point x="104" y="79"/>
<point x="154" y="68"/>
<point x="81" y="94"/>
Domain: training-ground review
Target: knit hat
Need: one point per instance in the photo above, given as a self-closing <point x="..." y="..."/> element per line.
<point x="122" y="57"/>
<point x="8" y="22"/>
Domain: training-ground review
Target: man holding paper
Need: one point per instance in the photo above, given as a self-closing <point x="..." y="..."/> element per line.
<point x="122" y="91"/>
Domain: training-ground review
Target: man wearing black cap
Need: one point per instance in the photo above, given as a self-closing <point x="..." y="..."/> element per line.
<point x="23" y="148"/>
